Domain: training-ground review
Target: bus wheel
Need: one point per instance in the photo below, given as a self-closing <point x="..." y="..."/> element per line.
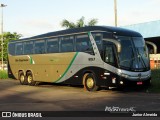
<point x="22" y="78"/>
<point x="90" y="82"/>
<point x="30" y="80"/>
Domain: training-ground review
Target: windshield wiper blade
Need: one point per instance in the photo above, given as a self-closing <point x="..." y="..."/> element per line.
<point x="133" y="57"/>
<point x="141" y="58"/>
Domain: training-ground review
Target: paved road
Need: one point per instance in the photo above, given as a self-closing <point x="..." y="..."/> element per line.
<point x="16" y="97"/>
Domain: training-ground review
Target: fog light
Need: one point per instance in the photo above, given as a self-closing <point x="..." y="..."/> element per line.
<point x="121" y="82"/>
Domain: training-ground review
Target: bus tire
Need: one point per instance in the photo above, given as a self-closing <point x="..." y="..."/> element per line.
<point x="22" y="78"/>
<point x="30" y="80"/>
<point x="90" y="82"/>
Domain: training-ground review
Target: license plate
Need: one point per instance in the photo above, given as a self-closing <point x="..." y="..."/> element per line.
<point x="139" y="83"/>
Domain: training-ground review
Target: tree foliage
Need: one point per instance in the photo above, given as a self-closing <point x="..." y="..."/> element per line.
<point x="80" y="23"/>
<point x="7" y="36"/>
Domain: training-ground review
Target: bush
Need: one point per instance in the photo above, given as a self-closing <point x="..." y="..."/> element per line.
<point x="155" y="87"/>
<point x="3" y="74"/>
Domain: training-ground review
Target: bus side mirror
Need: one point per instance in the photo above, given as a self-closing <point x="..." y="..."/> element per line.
<point x="117" y="43"/>
<point x="153" y="45"/>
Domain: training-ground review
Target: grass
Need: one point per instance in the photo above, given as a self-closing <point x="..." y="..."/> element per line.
<point x="155" y="84"/>
<point x="3" y="74"/>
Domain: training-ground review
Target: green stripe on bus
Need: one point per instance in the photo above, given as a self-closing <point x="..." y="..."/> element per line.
<point x="68" y="67"/>
<point x="31" y="60"/>
<point x="89" y="33"/>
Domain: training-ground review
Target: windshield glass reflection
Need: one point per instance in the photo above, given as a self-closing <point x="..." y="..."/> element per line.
<point x="134" y="54"/>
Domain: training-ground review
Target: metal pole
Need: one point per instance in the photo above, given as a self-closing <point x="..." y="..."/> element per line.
<point x="115" y="11"/>
<point x="2" y="5"/>
<point x="2" y="36"/>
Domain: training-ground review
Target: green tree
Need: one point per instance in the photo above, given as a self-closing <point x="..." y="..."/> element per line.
<point x="7" y="36"/>
<point x="80" y="23"/>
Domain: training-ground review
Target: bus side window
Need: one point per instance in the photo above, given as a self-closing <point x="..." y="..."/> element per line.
<point x="83" y="44"/>
<point x="28" y="47"/>
<point x="53" y="45"/>
<point x="109" y="54"/>
<point x="19" y="48"/>
<point x="67" y="44"/>
<point x="109" y="58"/>
<point x="98" y="39"/>
<point x="11" y="48"/>
<point x="39" y="47"/>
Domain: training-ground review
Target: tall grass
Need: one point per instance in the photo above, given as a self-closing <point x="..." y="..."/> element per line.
<point x="3" y="74"/>
<point x="155" y="84"/>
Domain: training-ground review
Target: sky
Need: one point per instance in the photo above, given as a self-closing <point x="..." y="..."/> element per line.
<point x="34" y="17"/>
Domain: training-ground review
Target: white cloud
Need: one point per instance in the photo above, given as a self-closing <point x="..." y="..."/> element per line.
<point x="34" y="27"/>
<point x="145" y="12"/>
<point x="155" y="1"/>
<point x="39" y="24"/>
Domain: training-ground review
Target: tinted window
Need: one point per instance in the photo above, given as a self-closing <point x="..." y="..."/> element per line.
<point x="19" y="49"/>
<point x="107" y="35"/>
<point x="109" y="54"/>
<point x="67" y="44"/>
<point x="126" y="55"/>
<point x="28" y="47"/>
<point x="98" y="39"/>
<point x="39" y="47"/>
<point x="52" y="45"/>
<point x="83" y="44"/>
<point x="11" y="48"/>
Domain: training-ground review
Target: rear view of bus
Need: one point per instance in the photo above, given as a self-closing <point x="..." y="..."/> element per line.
<point x="96" y="56"/>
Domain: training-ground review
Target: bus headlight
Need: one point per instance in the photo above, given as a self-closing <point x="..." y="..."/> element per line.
<point x="121" y="82"/>
<point x="119" y="72"/>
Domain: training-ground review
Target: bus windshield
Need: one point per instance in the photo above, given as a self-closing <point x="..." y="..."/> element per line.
<point x="134" y="53"/>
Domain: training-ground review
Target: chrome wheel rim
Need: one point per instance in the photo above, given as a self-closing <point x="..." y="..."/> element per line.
<point x="22" y="78"/>
<point x="90" y="82"/>
<point x="29" y="79"/>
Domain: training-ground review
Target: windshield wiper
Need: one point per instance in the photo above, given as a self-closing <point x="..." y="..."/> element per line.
<point x="141" y="58"/>
<point x="133" y="57"/>
<point x="130" y="61"/>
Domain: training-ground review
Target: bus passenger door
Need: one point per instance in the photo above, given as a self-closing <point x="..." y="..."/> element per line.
<point x="110" y="63"/>
<point x="109" y="55"/>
